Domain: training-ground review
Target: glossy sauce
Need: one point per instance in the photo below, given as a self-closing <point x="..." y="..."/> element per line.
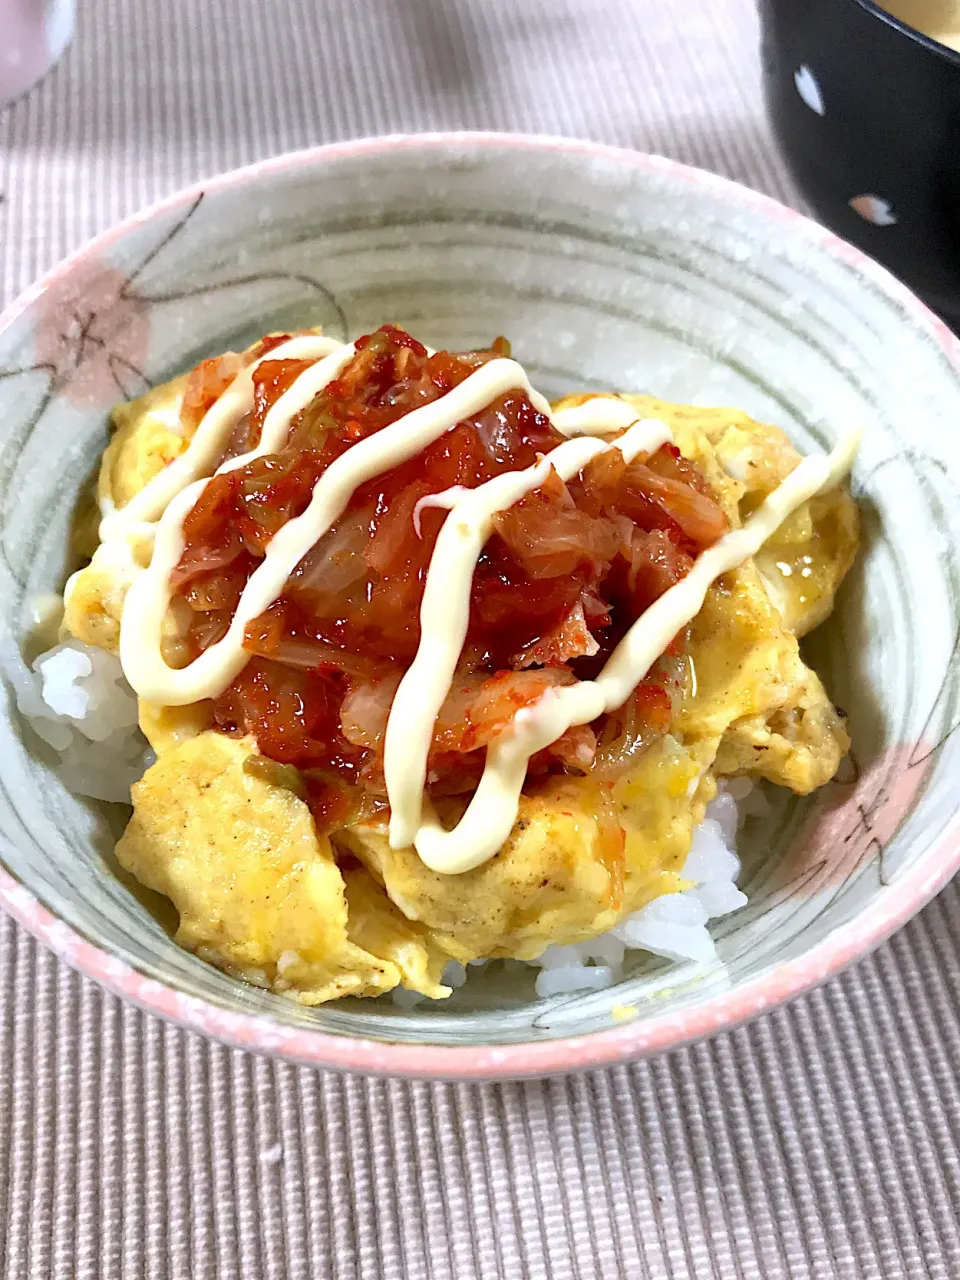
<point x="179" y="497"/>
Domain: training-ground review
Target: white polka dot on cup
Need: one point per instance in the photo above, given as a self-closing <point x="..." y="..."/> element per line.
<point x="808" y="88"/>
<point x="873" y="209"/>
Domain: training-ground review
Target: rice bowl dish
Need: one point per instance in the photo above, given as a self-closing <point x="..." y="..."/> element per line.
<point x="613" y="271"/>
<point x="535" y="749"/>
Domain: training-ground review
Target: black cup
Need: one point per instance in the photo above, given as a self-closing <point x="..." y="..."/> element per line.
<point x="867" y="112"/>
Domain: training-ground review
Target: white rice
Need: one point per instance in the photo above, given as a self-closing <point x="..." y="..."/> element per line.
<point x="77" y="701"/>
<point x="673" y="925"/>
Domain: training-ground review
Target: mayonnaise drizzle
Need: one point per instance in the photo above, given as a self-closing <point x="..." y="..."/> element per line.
<point x="159" y="510"/>
<point x="445" y="613"/>
<point x="149" y="597"/>
<point x="305" y="388"/>
<point x="492" y="811"/>
<point x="445" y="500"/>
<point x="597" y="416"/>
<point x="210" y="438"/>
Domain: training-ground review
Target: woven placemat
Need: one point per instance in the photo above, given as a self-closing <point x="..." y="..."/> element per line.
<point x="819" y="1142"/>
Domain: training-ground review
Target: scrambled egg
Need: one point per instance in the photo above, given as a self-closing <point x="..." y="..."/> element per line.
<point x="147" y="436"/>
<point x="257" y="889"/>
<point x="262" y="895"/>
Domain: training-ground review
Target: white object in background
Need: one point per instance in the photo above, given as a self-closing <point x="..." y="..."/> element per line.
<point x="33" y="35"/>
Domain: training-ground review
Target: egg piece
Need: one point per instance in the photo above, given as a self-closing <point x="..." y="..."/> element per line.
<point x="166" y="728"/>
<point x="808" y="557"/>
<point x="581" y="856"/>
<point x="752" y="691"/>
<point x="769" y="713"/>
<point x="377" y="926"/>
<point x="258" y="892"/>
<point x="146" y="437"/>
<point x="553" y="876"/>
<point x="93" y="597"/>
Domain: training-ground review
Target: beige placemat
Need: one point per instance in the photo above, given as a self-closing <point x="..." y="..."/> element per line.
<point x="820" y="1142"/>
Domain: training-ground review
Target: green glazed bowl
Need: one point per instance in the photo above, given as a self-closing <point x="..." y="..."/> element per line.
<point x="608" y="269"/>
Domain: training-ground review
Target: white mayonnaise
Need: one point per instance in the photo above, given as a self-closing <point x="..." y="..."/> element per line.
<point x="210" y="439"/>
<point x="305" y="389"/>
<point x="493" y="809"/>
<point x="598" y="416"/>
<point x="445" y="614"/>
<point x="445" y="500"/>
<point x="159" y="510"/>
<point x="149" y="598"/>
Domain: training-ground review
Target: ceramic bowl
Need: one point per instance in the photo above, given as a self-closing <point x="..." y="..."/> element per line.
<point x="867" y="110"/>
<point x="608" y="269"/>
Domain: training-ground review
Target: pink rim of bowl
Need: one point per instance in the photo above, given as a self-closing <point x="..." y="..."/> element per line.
<point x="622" y="1043"/>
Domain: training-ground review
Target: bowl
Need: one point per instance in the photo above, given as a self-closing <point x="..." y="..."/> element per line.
<point x="609" y="269"/>
<point x="867" y="112"/>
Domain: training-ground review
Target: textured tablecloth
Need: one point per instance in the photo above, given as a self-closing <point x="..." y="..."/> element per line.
<point x="821" y="1141"/>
